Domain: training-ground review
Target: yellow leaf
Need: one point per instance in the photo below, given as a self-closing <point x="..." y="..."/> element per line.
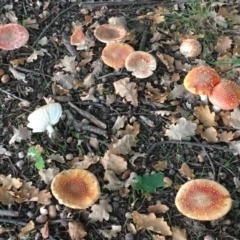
<point x="205" y="116"/>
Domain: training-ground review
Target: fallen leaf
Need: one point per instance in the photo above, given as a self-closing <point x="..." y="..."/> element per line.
<point x="167" y="60"/>
<point x="177" y="92"/>
<point x="45" y="230"/>
<point x="223" y="44"/>
<point x="65" y="80"/>
<point x="127" y="90"/>
<point x="89" y="80"/>
<point x="18" y="75"/>
<point x="113" y="162"/>
<point x="160" y="165"/>
<point x="27" y="229"/>
<point x="47" y="175"/>
<point x="235" y="146"/>
<point x="181" y="130"/>
<point x="186" y="171"/>
<point x="35" y="54"/>
<point x="101" y="211"/>
<point x="76" y="230"/>
<point x="210" y="134"/>
<point x="112" y="233"/>
<point x="90" y="95"/>
<point x="205" y="116"/>
<point x="158" y="208"/>
<point x="124" y="145"/>
<point x="22" y="133"/>
<point x="120" y="122"/>
<point x="234" y="118"/>
<point x="151" y="223"/>
<point x="114" y="183"/>
<point x="179" y="233"/>
<point x="69" y="64"/>
<point x="226" y="136"/>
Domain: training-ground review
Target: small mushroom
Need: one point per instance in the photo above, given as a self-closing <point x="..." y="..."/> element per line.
<point x="114" y="55"/>
<point x="190" y="48"/>
<point x="225" y="95"/>
<point x="201" y="81"/>
<point x="203" y="199"/>
<point x="44" y="117"/>
<point x="110" y="33"/>
<point x="13" y="36"/>
<point x="78" y="37"/>
<point x="76" y="188"/>
<point x="141" y="64"/>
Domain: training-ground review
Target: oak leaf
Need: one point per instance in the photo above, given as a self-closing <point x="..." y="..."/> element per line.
<point x="76" y="230"/>
<point x="234" y="118"/>
<point x="158" y="208"/>
<point x="22" y="133"/>
<point x="210" y="134"/>
<point x="181" y="130"/>
<point x="223" y="44"/>
<point x="226" y="136"/>
<point x="69" y="64"/>
<point x="65" y="80"/>
<point x="28" y="228"/>
<point x="152" y="223"/>
<point x="179" y="233"/>
<point x="112" y="233"/>
<point x="160" y="165"/>
<point x="186" y="171"/>
<point x="120" y="122"/>
<point x="124" y="145"/>
<point x="114" y="183"/>
<point x="127" y="90"/>
<point x="205" y="116"/>
<point x="177" y="92"/>
<point x="101" y="211"/>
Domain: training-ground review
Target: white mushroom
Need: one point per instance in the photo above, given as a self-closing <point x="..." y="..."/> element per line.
<point x="45" y="117"/>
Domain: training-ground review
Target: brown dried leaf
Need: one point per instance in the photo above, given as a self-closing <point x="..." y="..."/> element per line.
<point x="177" y="92"/>
<point x="65" y="80"/>
<point x="89" y="80"/>
<point x="28" y="228"/>
<point x="179" y="233"/>
<point x="127" y="90"/>
<point x="124" y="145"/>
<point x="113" y="162"/>
<point x="154" y="94"/>
<point x="226" y="136"/>
<point x="210" y="134"/>
<point x="151" y="223"/>
<point x="22" y="133"/>
<point x="205" y="116"/>
<point x="76" y="231"/>
<point x="86" y="162"/>
<point x="158" y="208"/>
<point x="223" y="44"/>
<point x="44" y="196"/>
<point x="235" y="118"/>
<point x="120" y="122"/>
<point x="160" y="165"/>
<point x="235" y="146"/>
<point x="225" y="115"/>
<point x="114" y="183"/>
<point x="186" y="171"/>
<point x="45" y="230"/>
<point x="47" y="175"/>
<point x="101" y="211"/>
<point x="167" y="60"/>
<point x="69" y="64"/>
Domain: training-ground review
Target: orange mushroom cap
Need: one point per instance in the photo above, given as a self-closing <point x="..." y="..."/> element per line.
<point x="13" y="36"/>
<point x="110" y="33"/>
<point x="225" y="95"/>
<point x="203" y="199"/>
<point x="77" y="37"/>
<point x="76" y="188"/>
<point x="142" y="64"/>
<point x="190" y="48"/>
<point x="114" y="55"/>
<point x="201" y="80"/>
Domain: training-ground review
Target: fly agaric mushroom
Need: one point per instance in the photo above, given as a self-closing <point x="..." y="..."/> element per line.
<point x="201" y="81"/>
<point x="78" y="37"/>
<point x="110" y="33"/>
<point x="141" y="64"/>
<point x="114" y="55"/>
<point x="76" y="188"/>
<point x="190" y="48"/>
<point x="203" y="199"/>
<point x="13" y="36"/>
<point x="225" y="95"/>
<point x="44" y="117"/>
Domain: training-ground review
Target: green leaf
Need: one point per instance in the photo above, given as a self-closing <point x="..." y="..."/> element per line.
<point x="36" y="156"/>
<point x="149" y="182"/>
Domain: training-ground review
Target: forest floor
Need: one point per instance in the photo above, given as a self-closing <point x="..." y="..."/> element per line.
<point x="115" y="125"/>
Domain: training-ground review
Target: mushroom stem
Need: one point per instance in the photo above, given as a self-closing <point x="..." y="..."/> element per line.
<point x="204" y="98"/>
<point x="216" y="109"/>
<point x="50" y="130"/>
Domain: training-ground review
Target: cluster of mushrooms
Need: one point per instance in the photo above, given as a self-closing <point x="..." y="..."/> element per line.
<point x="117" y="54"/>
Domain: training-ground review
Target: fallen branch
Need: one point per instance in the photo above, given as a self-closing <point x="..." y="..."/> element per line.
<point x="14" y="96"/>
<point x="9" y="213"/>
<point x="89" y="116"/>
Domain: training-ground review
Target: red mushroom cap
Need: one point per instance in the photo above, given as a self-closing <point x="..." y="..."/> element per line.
<point x="190" y="48"/>
<point x="76" y="188"/>
<point x="201" y="80"/>
<point x="225" y="95"/>
<point x="114" y="55"/>
<point x="142" y="64"/>
<point x="77" y="37"/>
<point x="13" y="36"/>
<point x="203" y="199"/>
<point x="110" y="33"/>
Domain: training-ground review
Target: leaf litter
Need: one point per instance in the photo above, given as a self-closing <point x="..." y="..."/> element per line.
<point x="150" y="124"/>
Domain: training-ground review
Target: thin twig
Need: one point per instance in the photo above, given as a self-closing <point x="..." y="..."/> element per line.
<point x="89" y="116"/>
<point x="14" y="96"/>
<point x="9" y="213"/>
<point x="143" y="40"/>
<point x="50" y="24"/>
<point x="15" y="222"/>
<point x="186" y="143"/>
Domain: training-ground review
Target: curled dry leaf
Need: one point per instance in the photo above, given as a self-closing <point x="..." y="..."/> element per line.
<point x="158" y="208"/>
<point x="114" y="183"/>
<point x="124" y="145"/>
<point x="120" y="122"/>
<point x="167" y="60"/>
<point x="223" y="44"/>
<point x="186" y="171"/>
<point x="27" y="229"/>
<point x="45" y="230"/>
<point x="160" y="165"/>
<point x="152" y="223"/>
<point x="210" y="134"/>
<point x="113" y="162"/>
<point x="35" y="54"/>
<point x="47" y="175"/>
<point x="154" y="94"/>
<point x="226" y="136"/>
